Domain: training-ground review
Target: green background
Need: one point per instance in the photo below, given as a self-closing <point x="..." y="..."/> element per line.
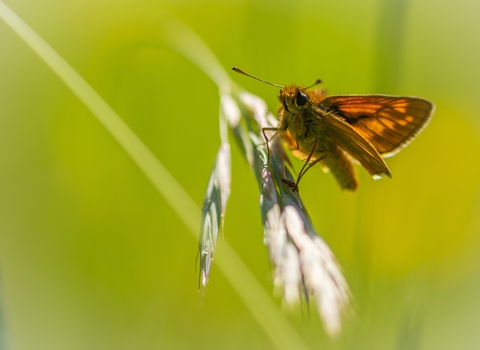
<point x="92" y="257"/>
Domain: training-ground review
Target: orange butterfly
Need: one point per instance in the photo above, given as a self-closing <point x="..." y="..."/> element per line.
<point x="335" y="130"/>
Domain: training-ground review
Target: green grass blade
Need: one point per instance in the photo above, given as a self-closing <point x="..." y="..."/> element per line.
<point x="4" y="337"/>
<point x="391" y="34"/>
<point x="184" y="206"/>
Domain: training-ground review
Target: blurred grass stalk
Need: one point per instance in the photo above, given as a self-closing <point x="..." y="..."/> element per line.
<point x="4" y="339"/>
<point x="391" y="31"/>
<point x="259" y="303"/>
<point x="390" y="44"/>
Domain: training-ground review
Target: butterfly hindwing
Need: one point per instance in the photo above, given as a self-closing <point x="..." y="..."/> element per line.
<point x="357" y="146"/>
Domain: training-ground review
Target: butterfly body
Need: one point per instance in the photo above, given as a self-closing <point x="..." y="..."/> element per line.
<point x="336" y="131"/>
<point x="303" y="126"/>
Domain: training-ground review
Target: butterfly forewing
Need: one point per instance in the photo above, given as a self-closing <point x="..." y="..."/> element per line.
<point x="387" y="122"/>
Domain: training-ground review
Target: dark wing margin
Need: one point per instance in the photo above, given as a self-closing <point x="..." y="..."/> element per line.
<point x="389" y="123"/>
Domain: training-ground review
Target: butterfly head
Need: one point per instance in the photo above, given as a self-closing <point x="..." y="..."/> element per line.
<point x="293" y="98"/>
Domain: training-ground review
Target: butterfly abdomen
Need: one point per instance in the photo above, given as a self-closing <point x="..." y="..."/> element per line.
<point x="342" y="169"/>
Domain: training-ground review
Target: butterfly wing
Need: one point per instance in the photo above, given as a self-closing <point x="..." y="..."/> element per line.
<point x="356" y="146"/>
<point x="389" y="123"/>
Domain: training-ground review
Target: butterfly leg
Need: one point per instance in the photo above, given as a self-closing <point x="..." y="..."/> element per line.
<point x="305" y="168"/>
<point x="308" y="167"/>
<point x="267" y="139"/>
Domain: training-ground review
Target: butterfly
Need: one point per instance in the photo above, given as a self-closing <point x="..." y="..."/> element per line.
<point x="338" y="130"/>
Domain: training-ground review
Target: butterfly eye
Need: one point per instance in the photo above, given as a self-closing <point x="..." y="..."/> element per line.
<point x="302" y="98"/>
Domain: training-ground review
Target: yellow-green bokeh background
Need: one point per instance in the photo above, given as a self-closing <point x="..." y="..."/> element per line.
<point x="92" y="257"/>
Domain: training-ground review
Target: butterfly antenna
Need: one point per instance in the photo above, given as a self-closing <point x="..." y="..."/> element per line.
<point x="318" y="81"/>
<point x="238" y="70"/>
